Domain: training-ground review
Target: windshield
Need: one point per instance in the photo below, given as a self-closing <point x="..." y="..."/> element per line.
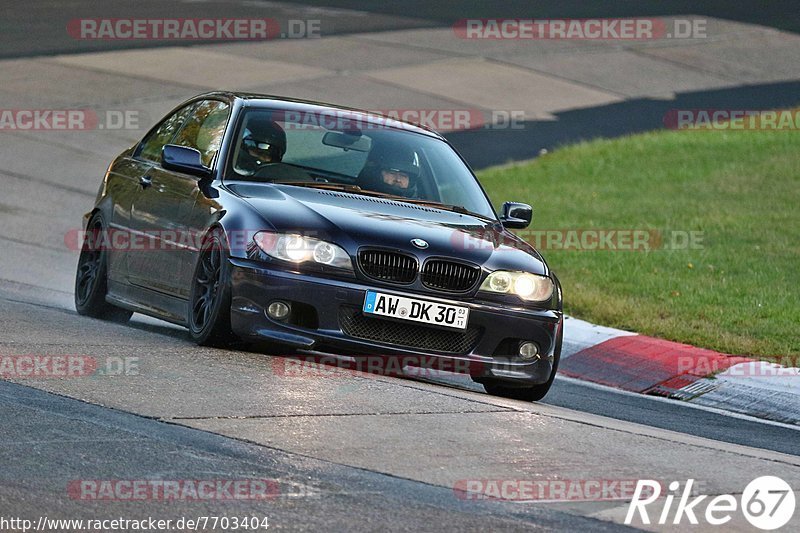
<point x="368" y="158"/>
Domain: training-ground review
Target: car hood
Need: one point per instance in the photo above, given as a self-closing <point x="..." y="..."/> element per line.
<point x="353" y="221"/>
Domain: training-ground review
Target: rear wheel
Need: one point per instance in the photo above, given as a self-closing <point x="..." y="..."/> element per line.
<point x="210" y="297"/>
<point x="91" y="277"/>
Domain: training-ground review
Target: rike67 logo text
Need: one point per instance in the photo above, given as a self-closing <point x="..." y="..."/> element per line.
<point x="767" y="502"/>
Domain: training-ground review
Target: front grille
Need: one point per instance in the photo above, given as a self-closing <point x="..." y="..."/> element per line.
<point x="388" y="266"/>
<point x="449" y="276"/>
<point x="408" y="335"/>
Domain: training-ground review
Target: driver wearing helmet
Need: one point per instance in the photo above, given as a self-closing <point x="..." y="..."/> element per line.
<point x="263" y="142"/>
<point x="392" y="170"/>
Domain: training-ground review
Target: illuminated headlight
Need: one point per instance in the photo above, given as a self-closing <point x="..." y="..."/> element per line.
<point x="300" y="249"/>
<point x="529" y="287"/>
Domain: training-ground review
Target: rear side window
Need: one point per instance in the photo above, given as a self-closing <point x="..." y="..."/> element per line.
<point x="152" y="144"/>
<point x="203" y="130"/>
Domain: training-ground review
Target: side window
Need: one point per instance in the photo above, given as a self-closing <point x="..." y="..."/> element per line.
<point x="204" y="128"/>
<point x="155" y="141"/>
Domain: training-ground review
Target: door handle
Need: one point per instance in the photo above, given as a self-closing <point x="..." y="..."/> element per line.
<point x="145" y="181"/>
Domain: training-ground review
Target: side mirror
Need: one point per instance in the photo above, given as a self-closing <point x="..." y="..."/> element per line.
<point x="515" y="215"/>
<point x="184" y="159"/>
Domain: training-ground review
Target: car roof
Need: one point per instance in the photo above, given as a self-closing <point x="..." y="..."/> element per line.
<point x="309" y="106"/>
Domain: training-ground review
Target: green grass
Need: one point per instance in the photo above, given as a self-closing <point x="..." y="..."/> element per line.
<point x="738" y="294"/>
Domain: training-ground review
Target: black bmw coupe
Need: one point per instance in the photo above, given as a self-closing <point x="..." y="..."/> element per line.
<point x="320" y="229"/>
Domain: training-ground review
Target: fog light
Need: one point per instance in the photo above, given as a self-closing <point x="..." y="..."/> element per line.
<point x="528" y="350"/>
<point x="278" y="310"/>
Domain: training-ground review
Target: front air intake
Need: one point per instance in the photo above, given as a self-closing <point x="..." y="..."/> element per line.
<point x="446" y="275"/>
<point x="385" y="265"/>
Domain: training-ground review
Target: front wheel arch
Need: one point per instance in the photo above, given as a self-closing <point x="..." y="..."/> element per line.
<point x="209" y="309"/>
<point x="532" y="393"/>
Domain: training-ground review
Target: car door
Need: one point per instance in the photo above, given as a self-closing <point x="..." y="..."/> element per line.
<point x="165" y="208"/>
<point x="139" y="257"/>
<point x="122" y="186"/>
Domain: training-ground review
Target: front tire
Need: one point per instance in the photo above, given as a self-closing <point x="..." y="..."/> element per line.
<point x="535" y="392"/>
<point x="91" y="276"/>
<point x="526" y="394"/>
<point x="210" y="297"/>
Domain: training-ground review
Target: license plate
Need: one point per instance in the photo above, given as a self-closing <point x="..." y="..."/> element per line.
<point x="411" y="309"/>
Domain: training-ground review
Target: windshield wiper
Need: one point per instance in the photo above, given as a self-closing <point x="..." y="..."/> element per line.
<point x="326" y="174"/>
<point x="439" y="205"/>
<point x="322" y="185"/>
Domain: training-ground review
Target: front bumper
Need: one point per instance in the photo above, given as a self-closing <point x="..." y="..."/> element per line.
<point x="332" y="322"/>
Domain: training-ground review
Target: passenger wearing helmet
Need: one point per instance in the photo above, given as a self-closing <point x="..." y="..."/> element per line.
<point x="391" y="170"/>
<point x="263" y="142"/>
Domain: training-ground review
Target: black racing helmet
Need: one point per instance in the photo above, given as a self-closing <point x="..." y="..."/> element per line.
<point x="394" y="159"/>
<point x="264" y="140"/>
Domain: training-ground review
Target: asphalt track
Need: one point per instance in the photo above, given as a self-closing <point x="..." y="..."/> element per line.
<point x="347" y="451"/>
<point x="36" y="27"/>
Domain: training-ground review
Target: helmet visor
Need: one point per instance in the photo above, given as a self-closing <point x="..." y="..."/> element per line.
<point x="261" y="148"/>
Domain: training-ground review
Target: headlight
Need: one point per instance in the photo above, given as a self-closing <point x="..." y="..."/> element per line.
<point x="529" y="287"/>
<point x="296" y="248"/>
